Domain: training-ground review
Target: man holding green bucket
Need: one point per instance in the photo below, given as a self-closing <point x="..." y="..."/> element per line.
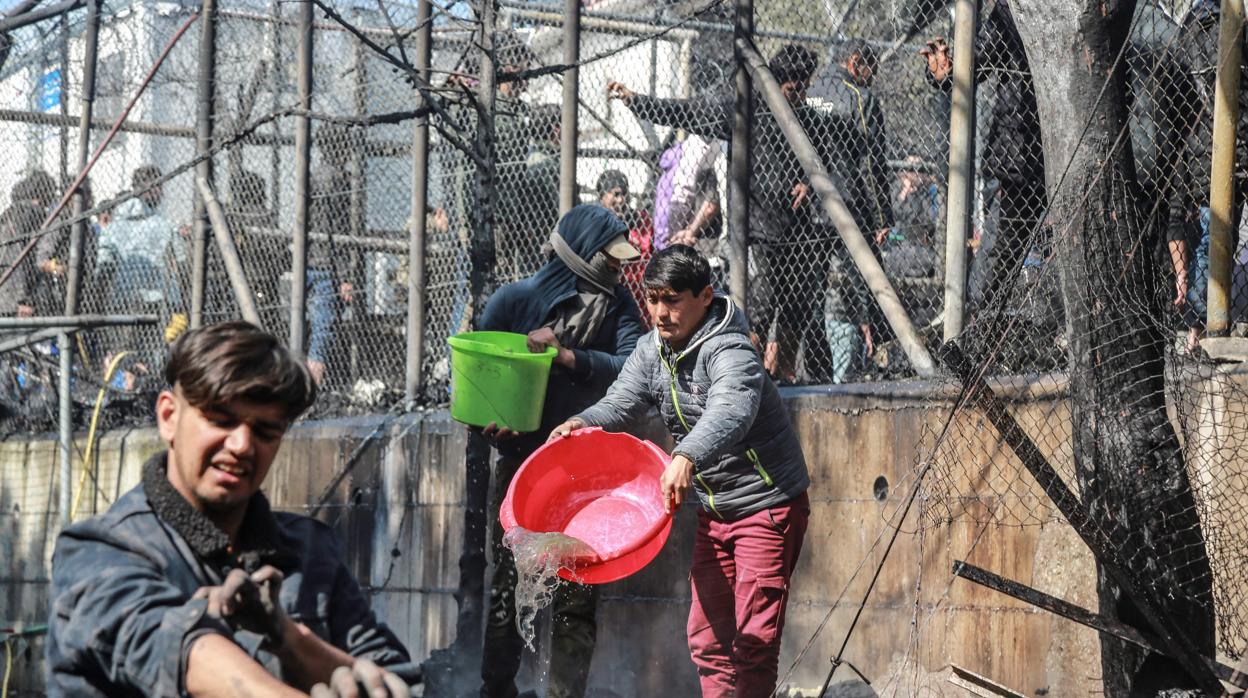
<point x="576" y="305"/>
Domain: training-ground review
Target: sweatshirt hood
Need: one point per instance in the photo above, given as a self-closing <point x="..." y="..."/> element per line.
<point x="133" y="209"/>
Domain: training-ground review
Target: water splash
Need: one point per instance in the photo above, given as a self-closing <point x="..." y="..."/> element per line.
<point x="539" y="556"/>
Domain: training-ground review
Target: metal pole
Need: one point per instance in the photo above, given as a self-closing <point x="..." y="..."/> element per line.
<point x="91" y="42"/>
<point x="206" y="96"/>
<point x="740" y="165"/>
<point x="74" y="321"/>
<point x="420" y="203"/>
<point x="303" y="157"/>
<point x="73" y="277"/>
<point x="229" y="253"/>
<point x="66" y="436"/>
<point x="836" y="211"/>
<point x="961" y="163"/>
<point x="568" y="122"/>
<point x="1222" y="173"/>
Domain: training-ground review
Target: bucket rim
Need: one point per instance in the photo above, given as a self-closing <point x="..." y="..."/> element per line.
<point x="465" y="342"/>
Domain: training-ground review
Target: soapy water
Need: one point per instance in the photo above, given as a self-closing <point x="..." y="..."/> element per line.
<point x="539" y="557"/>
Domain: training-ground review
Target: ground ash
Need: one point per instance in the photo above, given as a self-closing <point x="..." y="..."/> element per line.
<point x="538" y="559"/>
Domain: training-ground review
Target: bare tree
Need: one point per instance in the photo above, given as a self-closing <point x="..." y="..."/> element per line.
<point x="1129" y="463"/>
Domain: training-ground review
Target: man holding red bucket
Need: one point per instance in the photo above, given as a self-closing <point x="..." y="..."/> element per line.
<point x="736" y="448"/>
<point x="576" y="304"/>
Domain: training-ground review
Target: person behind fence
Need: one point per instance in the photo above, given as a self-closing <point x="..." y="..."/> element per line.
<point x="190" y="584"/>
<point x="139" y="254"/>
<point x="18" y="223"/>
<point x="1012" y="156"/>
<point x="576" y="304"/>
<point x="736" y="448"/>
<point x="1187" y="229"/>
<point x="788" y="266"/>
<point x="612" y="190"/>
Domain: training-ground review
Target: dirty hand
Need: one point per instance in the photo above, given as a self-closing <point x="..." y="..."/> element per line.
<point x="544" y="337"/>
<point x="495" y="433"/>
<point x="675" y="481"/>
<point x="249" y="602"/>
<point x="566" y="429"/>
<point x="363" y="679"/>
<point x="617" y="90"/>
<point x="939" y="62"/>
<point x="800" y="192"/>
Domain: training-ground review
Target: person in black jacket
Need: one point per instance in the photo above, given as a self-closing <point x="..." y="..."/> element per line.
<point x="1013" y="153"/>
<point x="788" y="246"/>
<point x="576" y="304"/>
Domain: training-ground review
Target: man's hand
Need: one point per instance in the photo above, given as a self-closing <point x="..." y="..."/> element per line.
<point x="800" y="192"/>
<point x="683" y="237"/>
<point x="880" y="236"/>
<point x="565" y="430"/>
<point x="363" y="680"/>
<point x="250" y="603"/>
<point x="939" y="62"/>
<point x="544" y="337"/>
<point x="495" y="433"/>
<point x="616" y="90"/>
<point x="675" y="481"/>
<point x="346" y="291"/>
<point x="317" y="369"/>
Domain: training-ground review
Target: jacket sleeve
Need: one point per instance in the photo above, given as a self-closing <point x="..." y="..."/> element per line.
<point x="628" y="397"/>
<point x="736" y="375"/>
<point x="706" y="117"/>
<point x="353" y="626"/>
<point x="117" y="620"/>
<point x="877" y="152"/>
<point x="593" y="364"/>
<point x="494" y="317"/>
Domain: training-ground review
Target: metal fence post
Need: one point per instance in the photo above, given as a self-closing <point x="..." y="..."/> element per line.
<point x="206" y="97"/>
<point x="1222" y="173"/>
<point x="73" y="276"/>
<point x="739" y="191"/>
<point x="961" y="164"/>
<point x="571" y="91"/>
<point x="303" y="157"/>
<point x="418" y="220"/>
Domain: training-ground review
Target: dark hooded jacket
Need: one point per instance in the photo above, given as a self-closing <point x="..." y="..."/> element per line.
<point x="721" y="407"/>
<point x="122" y="619"/>
<point x="527" y="305"/>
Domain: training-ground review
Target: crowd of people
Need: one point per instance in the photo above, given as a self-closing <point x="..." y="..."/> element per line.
<point x="190" y="584"/>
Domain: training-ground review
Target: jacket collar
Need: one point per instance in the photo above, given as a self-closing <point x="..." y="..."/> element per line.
<point x="259" y="538"/>
<point x="718" y="318"/>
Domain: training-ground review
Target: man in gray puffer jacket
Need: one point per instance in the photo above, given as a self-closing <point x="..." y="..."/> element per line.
<point x="736" y="447"/>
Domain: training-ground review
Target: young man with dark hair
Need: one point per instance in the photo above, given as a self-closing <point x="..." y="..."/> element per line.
<point x="736" y="448"/>
<point x="190" y="584"/>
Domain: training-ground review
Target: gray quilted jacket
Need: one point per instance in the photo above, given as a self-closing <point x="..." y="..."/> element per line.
<point x="722" y="409"/>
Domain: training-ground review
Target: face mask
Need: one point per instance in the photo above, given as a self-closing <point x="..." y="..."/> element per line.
<point x="601" y="264"/>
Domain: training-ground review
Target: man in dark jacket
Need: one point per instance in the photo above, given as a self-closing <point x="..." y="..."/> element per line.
<point x="788" y="255"/>
<point x="1187" y="228"/>
<point x="576" y="304"/>
<point x="190" y="584"/>
<point x="1013" y="153"/>
<point x="736" y="448"/>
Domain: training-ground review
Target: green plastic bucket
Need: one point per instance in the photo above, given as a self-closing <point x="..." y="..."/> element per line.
<point x="495" y="378"/>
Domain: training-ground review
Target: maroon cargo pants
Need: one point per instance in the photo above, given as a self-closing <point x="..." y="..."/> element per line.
<point x="740" y="579"/>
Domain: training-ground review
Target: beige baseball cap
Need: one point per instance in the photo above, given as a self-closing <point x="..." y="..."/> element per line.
<point x="622" y="249"/>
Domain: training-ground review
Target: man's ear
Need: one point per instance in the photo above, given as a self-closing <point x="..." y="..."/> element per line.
<point x="706" y="296"/>
<point x="166" y="415"/>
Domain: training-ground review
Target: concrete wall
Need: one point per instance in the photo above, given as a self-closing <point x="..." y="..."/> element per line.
<point x="400" y="504"/>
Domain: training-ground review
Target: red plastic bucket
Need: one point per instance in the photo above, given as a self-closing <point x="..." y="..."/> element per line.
<point x="601" y="488"/>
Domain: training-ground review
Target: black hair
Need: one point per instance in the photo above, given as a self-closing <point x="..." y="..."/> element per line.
<point x="793" y="63"/>
<point x="545" y="119"/>
<point x="36" y="186"/>
<point x="678" y="267"/>
<point x="859" y="47"/>
<point x="610" y="179"/>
